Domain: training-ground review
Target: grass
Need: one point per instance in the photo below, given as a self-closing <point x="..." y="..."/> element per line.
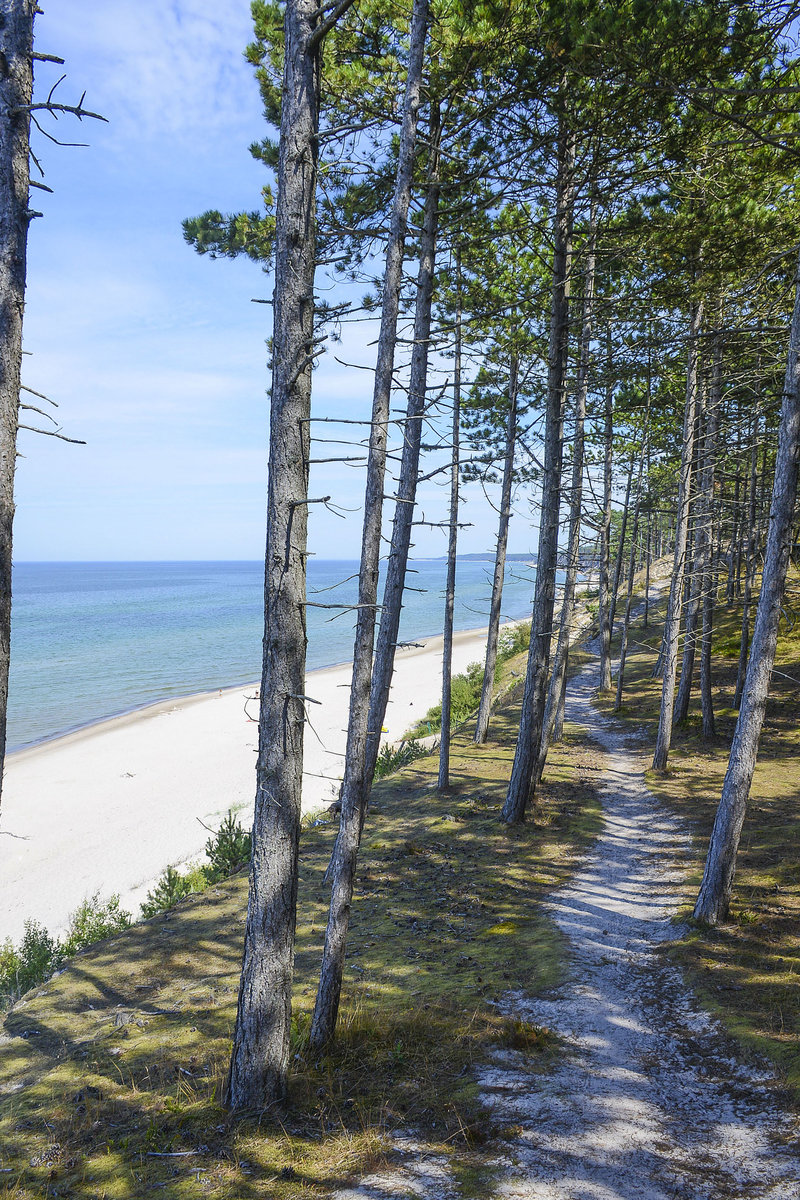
<point x="747" y="971"/>
<point x="39" y="955"/>
<point x="110" y="1074"/>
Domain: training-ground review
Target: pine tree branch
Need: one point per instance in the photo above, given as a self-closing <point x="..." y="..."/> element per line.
<point x="319" y="33"/>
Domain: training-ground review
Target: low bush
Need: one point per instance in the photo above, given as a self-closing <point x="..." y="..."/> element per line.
<point x="392" y="758"/>
<point x="92" y="921"/>
<point x="513" y="641"/>
<point x="465" y="695"/>
<point x="38" y="956"/>
<point x="228" y="850"/>
<point x="170" y="888"/>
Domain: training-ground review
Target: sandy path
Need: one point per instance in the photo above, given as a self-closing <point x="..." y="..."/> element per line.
<point x="107" y="808"/>
<point x="651" y="1100"/>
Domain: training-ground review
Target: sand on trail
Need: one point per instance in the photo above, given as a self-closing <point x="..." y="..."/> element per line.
<point x="649" y="1100"/>
<point x="107" y="808"/>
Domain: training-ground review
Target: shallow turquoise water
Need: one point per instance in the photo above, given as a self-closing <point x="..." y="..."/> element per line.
<point x="91" y="640"/>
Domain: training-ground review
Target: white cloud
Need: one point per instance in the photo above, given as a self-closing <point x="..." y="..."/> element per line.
<point x="156" y="71"/>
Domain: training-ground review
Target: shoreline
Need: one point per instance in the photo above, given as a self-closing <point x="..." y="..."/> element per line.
<point x="181" y="698"/>
<point x="153" y="707"/>
<point x="105" y="808"/>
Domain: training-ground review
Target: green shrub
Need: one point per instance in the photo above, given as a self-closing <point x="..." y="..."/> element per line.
<point x="228" y="850"/>
<point x="392" y="758"/>
<point x="171" y="887"/>
<point x="38" y="956"/>
<point x="465" y="695"/>
<point x="92" y="921"/>
<point x="513" y="641"/>
<point x="196" y="879"/>
<point x="465" y="688"/>
<point x="9" y="969"/>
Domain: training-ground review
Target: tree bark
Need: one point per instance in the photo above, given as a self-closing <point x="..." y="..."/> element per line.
<point x="706" y="541"/>
<point x="558" y="724"/>
<point x="626" y="621"/>
<point x="620" y="551"/>
<point x="354" y="789"/>
<point x="603" y="607"/>
<point x="693" y="580"/>
<point x="16" y="86"/>
<point x="714" y="898"/>
<point x="558" y="677"/>
<point x="409" y="467"/>
<point x="648" y="558"/>
<point x="260" y="1059"/>
<point x="750" y="567"/>
<point x="673" y="616"/>
<point x="530" y="730"/>
<point x="730" y="587"/>
<point x="452" y="545"/>
<point x="493" y="633"/>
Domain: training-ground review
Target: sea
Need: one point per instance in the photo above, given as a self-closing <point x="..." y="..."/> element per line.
<point x="90" y="641"/>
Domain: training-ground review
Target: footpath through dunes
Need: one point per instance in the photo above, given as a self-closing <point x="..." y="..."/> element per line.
<point x="651" y="1100"/>
<point x="111" y="1072"/>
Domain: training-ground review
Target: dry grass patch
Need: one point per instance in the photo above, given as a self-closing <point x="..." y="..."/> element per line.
<point x="110" y="1074"/>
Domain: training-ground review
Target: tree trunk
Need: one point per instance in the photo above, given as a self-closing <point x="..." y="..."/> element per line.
<point x="530" y="729"/>
<point x="558" y="677"/>
<point x="260" y="1058"/>
<point x="452" y="545"/>
<point x="353" y="791"/>
<point x="409" y="467"/>
<point x="558" y="724"/>
<point x="620" y="550"/>
<point x="715" y="891"/>
<point x="626" y="621"/>
<point x="648" y="561"/>
<point x="706" y="541"/>
<point x="693" y="580"/>
<point x="750" y="569"/>
<point x="730" y="587"/>
<point x="673" y="617"/>
<point x="485" y="707"/>
<point x="16" y="85"/>
<point x="603" y="608"/>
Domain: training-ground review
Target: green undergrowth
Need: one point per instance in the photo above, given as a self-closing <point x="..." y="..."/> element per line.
<point x="110" y="1074"/>
<point x="39" y="954"/>
<point x="747" y="970"/>
<point x="465" y="687"/>
<point x="392" y="758"/>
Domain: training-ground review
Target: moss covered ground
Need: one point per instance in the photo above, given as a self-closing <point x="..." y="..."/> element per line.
<point x="110" y="1074"/>
<point x="748" y="970"/>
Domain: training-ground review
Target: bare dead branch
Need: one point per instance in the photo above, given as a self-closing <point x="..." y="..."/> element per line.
<point x="41" y="395"/>
<point x="317" y="500"/>
<point x="62" y="437"/>
<point x="32" y="408"/>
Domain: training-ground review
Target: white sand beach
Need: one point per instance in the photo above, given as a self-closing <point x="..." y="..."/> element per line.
<point x="107" y="808"/>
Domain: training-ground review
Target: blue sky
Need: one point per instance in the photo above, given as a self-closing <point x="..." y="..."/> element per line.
<point x="156" y="356"/>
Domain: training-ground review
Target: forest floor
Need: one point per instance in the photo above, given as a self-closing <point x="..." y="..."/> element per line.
<point x="518" y="1020"/>
<point x="111" y="1072"/>
<point x="652" y="1099"/>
